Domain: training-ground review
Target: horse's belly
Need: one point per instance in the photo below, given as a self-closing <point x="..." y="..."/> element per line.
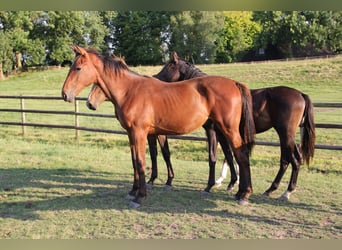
<point x="179" y="125"/>
<point x="262" y="123"/>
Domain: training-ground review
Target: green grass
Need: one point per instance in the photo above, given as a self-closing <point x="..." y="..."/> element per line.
<point x="55" y="186"/>
<point x="61" y="188"/>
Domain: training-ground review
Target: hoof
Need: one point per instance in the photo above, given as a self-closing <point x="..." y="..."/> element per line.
<point x="230" y="188"/>
<point x="149" y="186"/>
<point x="133" y="205"/>
<point x="204" y="194"/>
<point x="168" y="187"/>
<point x="266" y="194"/>
<point x="218" y="182"/>
<point x="243" y="202"/>
<point x="237" y="196"/>
<point x="129" y="197"/>
<point x="285" y="196"/>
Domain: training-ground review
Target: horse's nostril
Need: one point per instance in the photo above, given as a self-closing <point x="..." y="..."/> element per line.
<point x="64" y="96"/>
<point x="90" y="106"/>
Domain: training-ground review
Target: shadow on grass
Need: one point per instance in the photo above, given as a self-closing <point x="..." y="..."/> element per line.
<point x="26" y="192"/>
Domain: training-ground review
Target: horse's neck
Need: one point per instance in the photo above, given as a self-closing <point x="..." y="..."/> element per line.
<point x="192" y="72"/>
<point x="117" y="87"/>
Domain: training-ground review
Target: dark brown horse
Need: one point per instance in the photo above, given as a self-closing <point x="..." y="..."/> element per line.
<point x="281" y="108"/>
<point x="147" y="106"/>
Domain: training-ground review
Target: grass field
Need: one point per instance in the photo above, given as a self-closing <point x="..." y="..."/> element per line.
<point x="54" y="186"/>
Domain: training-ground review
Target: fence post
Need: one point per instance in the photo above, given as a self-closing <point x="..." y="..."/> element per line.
<point x="23" y="116"/>
<point x="77" y="123"/>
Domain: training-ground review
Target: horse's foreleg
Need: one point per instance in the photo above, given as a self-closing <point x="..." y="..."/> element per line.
<point x="152" y="144"/>
<point x="212" y="150"/>
<point x="164" y="145"/>
<point x="131" y="195"/>
<point x="138" y="148"/>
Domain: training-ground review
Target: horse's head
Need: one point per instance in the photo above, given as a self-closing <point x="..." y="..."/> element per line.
<point x="95" y="97"/>
<point x="82" y="73"/>
<point x="178" y="69"/>
<point x="171" y="71"/>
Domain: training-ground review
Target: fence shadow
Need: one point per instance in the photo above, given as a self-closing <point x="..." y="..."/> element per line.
<point x="25" y="192"/>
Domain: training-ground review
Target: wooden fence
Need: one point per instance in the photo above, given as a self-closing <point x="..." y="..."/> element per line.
<point x="76" y="126"/>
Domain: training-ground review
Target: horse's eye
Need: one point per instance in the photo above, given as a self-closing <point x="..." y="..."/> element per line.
<point x="78" y="68"/>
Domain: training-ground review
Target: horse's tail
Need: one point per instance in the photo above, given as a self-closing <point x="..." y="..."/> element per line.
<point x="308" y="135"/>
<point x="247" y="126"/>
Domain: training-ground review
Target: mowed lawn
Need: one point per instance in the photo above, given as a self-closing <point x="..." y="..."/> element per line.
<point x="53" y="186"/>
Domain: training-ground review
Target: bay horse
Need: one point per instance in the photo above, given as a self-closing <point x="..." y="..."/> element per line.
<point x="147" y="106"/>
<point x="96" y="97"/>
<point x="282" y="108"/>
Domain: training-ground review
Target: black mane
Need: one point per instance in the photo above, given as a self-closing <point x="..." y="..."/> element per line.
<point x="188" y="70"/>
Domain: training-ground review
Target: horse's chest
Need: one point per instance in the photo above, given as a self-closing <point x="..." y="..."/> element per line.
<point x="130" y="114"/>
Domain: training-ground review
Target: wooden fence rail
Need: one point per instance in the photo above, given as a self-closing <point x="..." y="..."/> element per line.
<point x="78" y="128"/>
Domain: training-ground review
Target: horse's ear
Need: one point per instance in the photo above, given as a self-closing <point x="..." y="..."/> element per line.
<point x="174" y="57"/>
<point x="78" y="50"/>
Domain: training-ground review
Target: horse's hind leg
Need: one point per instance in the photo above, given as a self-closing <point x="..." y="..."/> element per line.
<point x="296" y="160"/>
<point x="228" y="160"/>
<point x="241" y="154"/>
<point x="164" y="145"/>
<point x="287" y="156"/>
<point x="275" y="184"/>
<point x="152" y="143"/>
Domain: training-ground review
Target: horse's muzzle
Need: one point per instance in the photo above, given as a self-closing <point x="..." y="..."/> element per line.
<point x="67" y="98"/>
<point x="90" y="106"/>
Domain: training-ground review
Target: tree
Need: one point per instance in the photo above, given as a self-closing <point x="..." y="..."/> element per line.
<point x="194" y="34"/>
<point x="324" y="29"/>
<point x="95" y="30"/>
<point x="108" y="20"/>
<point x="17" y="26"/>
<point x="139" y="35"/>
<point x="237" y="36"/>
<point x="60" y="29"/>
<point x="6" y="55"/>
<point x="292" y="32"/>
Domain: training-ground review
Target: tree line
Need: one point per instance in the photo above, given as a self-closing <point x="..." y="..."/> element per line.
<point x="31" y="38"/>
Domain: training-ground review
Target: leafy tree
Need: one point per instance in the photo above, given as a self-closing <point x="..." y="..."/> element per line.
<point x="95" y="30"/>
<point x="108" y="18"/>
<point x="194" y="33"/>
<point x="291" y="31"/>
<point x="17" y="26"/>
<point x="6" y="55"/>
<point x="60" y="29"/>
<point x="138" y="36"/>
<point x="324" y="29"/>
<point x="237" y="36"/>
